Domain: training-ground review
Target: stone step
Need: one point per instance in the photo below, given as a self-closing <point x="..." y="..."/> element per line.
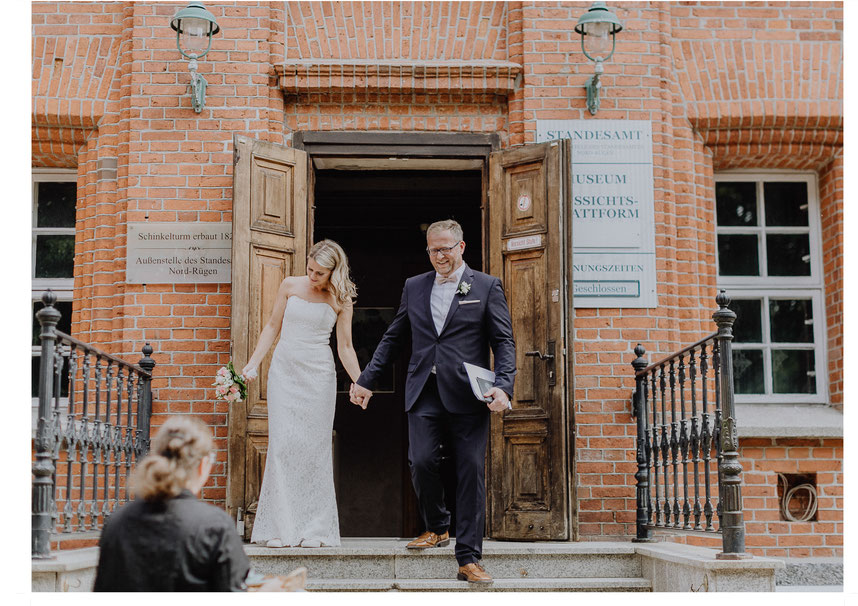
<point x="379" y="560"/>
<point x="527" y="584"/>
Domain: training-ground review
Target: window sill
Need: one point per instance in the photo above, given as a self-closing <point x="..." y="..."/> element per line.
<point x="789" y="421"/>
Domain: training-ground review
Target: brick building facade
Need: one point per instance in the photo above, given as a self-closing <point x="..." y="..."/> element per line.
<point x="735" y="93"/>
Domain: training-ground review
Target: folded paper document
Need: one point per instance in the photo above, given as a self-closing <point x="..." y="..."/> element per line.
<point x="481" y="379"/>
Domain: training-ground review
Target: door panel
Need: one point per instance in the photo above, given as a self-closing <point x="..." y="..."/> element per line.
<point x="526" y="273"/>
<point x="268" y="268"/>
<point x="269" y="242"/>
<point x="528" y="463"/>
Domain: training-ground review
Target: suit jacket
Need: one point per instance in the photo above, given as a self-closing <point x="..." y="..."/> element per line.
<point x="476" y="323"/>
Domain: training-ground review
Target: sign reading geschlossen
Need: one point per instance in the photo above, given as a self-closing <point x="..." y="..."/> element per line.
<point x="179" y="253"/>
<point x="613" y="218"/>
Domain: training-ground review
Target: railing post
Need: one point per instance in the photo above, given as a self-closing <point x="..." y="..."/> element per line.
<point x="732" y="524"/>
<point x="644" y="534"/>
<point x="144" y="405"/>
<point x="43" y="466"/>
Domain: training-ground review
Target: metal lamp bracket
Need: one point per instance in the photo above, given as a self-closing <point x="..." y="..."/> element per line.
<point x="593" y="85"/>
<point x="197" y="87"/>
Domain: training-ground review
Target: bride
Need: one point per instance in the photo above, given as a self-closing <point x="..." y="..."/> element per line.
<point x="297" y="505"/>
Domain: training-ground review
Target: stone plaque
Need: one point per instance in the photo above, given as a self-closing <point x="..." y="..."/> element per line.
<point x="179" y="253"/>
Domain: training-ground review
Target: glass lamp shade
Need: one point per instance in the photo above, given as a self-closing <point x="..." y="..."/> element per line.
<point x="194" y="27"/>
<point x="597" y="28"/>
<point x="194" y="35"/>
<point x="597" y="41"/>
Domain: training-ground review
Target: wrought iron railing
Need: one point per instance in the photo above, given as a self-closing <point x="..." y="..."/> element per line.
<point x="93" y="425"/>
<point x="689" y="476"/>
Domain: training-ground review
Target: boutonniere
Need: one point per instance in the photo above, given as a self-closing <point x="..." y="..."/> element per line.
<point x="464" y="288"/>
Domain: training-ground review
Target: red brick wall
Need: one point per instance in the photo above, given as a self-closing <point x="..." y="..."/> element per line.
<point x="767" y="532"/>
<point x="74" y="50"/>
<point x="121" y="88"/>
<point x="713" y="60"/>
<point x="831" y="209"/>
<point x="392" y="30"/>
<point x="725" y="85"/>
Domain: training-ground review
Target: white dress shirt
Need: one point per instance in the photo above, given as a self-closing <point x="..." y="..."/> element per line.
<point x="442" y="297"/>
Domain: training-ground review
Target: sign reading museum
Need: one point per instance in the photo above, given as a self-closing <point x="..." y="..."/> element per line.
<point x="613" y="221"/>
<point x="179" y="253"/>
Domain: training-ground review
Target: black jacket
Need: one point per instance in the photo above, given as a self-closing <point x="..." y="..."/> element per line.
<point x="181" y="544"/>
<point x="477" y="323"/>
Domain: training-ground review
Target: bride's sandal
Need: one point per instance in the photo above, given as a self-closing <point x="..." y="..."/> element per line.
<point x="311" y="543"/>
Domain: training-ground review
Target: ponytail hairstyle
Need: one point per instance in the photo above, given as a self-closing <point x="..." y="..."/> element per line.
<point x="330" y="255"/>
<point x="176" y="452"/>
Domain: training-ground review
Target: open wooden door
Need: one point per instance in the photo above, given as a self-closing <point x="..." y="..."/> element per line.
<point x="269" y="242"/>
<point x="530" y="455"/>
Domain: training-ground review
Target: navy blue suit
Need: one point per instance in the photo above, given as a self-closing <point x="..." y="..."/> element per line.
<point x="441" y="403"/>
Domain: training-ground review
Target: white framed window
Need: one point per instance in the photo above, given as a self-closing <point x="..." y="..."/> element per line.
<point x="769" y="262"/>
<point x="54" y="209"/>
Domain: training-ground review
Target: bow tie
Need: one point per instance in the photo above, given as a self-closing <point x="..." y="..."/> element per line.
<point x="443" y="280"/>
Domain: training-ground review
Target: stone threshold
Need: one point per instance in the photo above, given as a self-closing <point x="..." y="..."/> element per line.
<point x="374" y="546"/>
<point x="608" y="584"/>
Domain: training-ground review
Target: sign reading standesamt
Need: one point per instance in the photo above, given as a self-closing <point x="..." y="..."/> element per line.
<point x="179" y="253"/>
<point x="613" y="218"/>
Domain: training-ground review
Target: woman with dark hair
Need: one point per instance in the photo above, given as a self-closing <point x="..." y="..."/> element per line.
<point x="166" y="539"/>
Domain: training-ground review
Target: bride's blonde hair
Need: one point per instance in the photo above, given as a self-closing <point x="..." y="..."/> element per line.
<point x="330" y="255"/>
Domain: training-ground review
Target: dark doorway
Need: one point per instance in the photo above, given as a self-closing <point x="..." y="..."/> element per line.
<point x="380" y="218"/>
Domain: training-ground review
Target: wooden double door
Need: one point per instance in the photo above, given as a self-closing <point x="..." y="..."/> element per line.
<point x="521" y="214"/>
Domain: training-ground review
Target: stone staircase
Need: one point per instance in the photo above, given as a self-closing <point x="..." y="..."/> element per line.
<point x="386" y="565"/>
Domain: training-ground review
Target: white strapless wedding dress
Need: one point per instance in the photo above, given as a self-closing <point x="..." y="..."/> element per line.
<point x="297" y="504"/>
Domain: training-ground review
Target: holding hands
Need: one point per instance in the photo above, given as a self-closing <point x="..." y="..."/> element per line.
<point x="249" y="372"/>
<point x="359" y="395"/>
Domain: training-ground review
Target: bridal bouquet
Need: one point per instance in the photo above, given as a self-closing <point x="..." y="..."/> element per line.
<point x="229" y="385"/>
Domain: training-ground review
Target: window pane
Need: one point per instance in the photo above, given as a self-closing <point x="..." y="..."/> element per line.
<point x="748" y="371"/>
<point x="793" y="371"/>
<point x="56" y="204"/>
<point x="748" y="327"/>
<point x="64" y="379"/>
<point x="786" y="203"/>
<point x="737" y="255"/>
<point x="55" y="256"/>
<point x="788" y="254"/>
<point x="789" y="318"/>
<point x="35" y="376"/>
<point x="64" y="325"/>
<point x="736" y="203"/>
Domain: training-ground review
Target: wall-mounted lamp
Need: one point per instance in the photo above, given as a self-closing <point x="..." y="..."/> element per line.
<point x="195" y="27"/>
<point x="595" y="26"/>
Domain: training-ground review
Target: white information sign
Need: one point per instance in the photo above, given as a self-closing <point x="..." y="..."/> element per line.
<point x="613" y="217"/>
<point x="179" y="253"/>
<point x="524" y="242"/>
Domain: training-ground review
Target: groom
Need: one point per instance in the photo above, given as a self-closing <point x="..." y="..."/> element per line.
<point x="454" y="315"/>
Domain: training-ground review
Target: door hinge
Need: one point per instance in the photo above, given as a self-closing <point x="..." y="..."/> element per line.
<point x="236" y="155"/>
<point x="239" y="522"/>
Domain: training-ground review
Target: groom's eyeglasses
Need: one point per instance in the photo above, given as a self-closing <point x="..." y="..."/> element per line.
<point x="444" y="250"/>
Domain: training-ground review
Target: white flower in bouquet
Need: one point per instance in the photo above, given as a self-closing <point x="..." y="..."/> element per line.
<point x="229" y="385"/>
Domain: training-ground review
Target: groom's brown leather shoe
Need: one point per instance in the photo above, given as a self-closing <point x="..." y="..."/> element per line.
<point x="430" y="539"/>
<point x="474" y="573"/>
